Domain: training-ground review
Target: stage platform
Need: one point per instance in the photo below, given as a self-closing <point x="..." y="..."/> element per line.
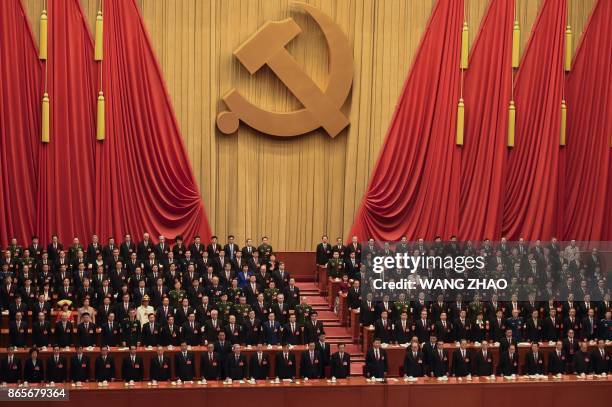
<point x="355" y="392"/>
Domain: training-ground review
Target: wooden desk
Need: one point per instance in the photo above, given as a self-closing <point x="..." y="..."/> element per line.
<point x="568" y="392"/>
<point x="343" y="310"/>
<point x="355" y="325"/>
<point x="333" y="287"/>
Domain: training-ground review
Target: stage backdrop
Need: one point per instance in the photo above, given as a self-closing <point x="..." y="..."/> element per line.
<point x="292" y="190"/>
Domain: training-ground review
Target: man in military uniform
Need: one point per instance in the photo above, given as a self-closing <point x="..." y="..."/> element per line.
<point x="515" y="323"/>
<point x="130" y="329"/>
<point x="241" y="309"/>
<point x="335" y="266"/>
<point x="271" y="292"/>
<point x="303" y="310"/>
<point x="265" y="249"/>
<point x="224" y="307"/>
<point x="15" y="249"/>
<point x="401" y="306"/>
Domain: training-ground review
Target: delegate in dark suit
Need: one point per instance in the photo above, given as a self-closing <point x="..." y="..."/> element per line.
<point x="285" y="365"/>
<point x="79" y="368"/>
<point x="160" y="368"/>
<point x="534" y="363"/>
<point x="340" y="365"/>
<point x="483" y="363"/>
<point x="310" y="365"/>
<point x="33" y="372"/>
<point x="439" y="363"/>
<point x="236" y="367"/>
<point x="104" y="368"/>
<point x="184" y="365"/>
<point x="376" y="363"/>
<point x="10" y="369"/>
<point x="57" y="369"/>
<point x="461" y="363"/>
<point x="508" y="364"/>
<point x="556" y="362"/>
<point x="414" y="363"/>
<point x="132" y="368"/>
<point x="210" y="365"/>
<point x="260" y="366"/>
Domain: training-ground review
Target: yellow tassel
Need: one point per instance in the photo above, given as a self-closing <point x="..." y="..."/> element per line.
<point x="563" y="121"/>
<point x="460" y="122"/>
<point x="511" y="123"/>
<point x="516" y="44"/>
<point x="42" y="47"/>
<point x="99" y="46"/>
<point x="568" y="49"/>
<point x="100" y="128"/>
<point x="465" y="46"/>
<point x="45" y="119"/>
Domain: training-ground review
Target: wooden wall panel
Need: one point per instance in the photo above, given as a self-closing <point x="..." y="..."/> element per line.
<point x="291" y="190"/>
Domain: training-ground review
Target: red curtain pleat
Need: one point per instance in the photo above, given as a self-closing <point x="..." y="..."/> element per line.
<point x="144" y="177"/>
<point x="531" y="197"/>
<point x="414" y="188"/>
<point x="20" y="104"/>
<point x="65" y="197"/>
<point x="487" y="92"/>
<point x="589" y="98"/>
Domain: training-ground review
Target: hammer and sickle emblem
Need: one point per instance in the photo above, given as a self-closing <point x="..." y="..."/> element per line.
<point x="321" y="106"/>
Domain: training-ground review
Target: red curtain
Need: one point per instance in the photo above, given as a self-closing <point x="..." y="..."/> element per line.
<point x="414" y="189"/>
<point x="531" y="205"/>
<point x="65" y="197"/>
<point x="20" y="104"/>
<point x="487" y="91"/>
<point x="589" y="98"/>
<point x="144" y="178"/>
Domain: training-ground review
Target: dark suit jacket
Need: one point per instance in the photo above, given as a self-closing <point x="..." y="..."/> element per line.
<point x="414" y="366"/>
<point x="601" y="364"/>
<point x="312" y="369"/>
<point x="260" y="371"/>
<point x="10" y="373"/>
<point x="210" y="369"/>
<point x="340" y="368"/>
<point x="285" y="368"/>
<point x="132" y="370"/>
<point x="184" y="367"/>
<point x="160" y="371"/>
<point x="556" y="364"/>
<point x="482" y="366"/>
<point x="236" y="369"/>
<point x="79" y="372"/>
<point x="33" y="374"/>
<point x="439" y="366"/>
<point x="57" y="372"/>
<point x="533" y="366"/>
<point x="583" y="362"/>
<point x="507" y="366"/>
<point x="376" y="368"/>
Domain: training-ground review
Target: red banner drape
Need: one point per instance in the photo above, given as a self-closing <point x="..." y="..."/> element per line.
<point x="414" y="189"/>
<point x="145" y="181"/>
<point x="531" y="204"/>
<point x="65" y="197"/>
<point x="20" y="104"/>
<point x="589" y="98"/>
<point x="487" y="91"/>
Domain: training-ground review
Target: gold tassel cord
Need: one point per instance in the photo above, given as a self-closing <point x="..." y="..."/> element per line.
<point x="568" y="48"/>
<point x="100" y="127"/>
<point x="45" y="119"/>
<point x="516" y="44"/>
<point x="42" y="46"/>
<point x="511" y="123"/>
<point x="99" y="41"/>
<point x="465" y="46"/>
<point x="563" y="122"/>
<point x="460" y="122"/>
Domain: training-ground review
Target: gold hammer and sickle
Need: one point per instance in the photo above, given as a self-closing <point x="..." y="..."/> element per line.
<point x="321" y="107"/>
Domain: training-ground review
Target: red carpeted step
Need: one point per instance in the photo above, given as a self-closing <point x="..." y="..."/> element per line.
<point x="357" y="369"/>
